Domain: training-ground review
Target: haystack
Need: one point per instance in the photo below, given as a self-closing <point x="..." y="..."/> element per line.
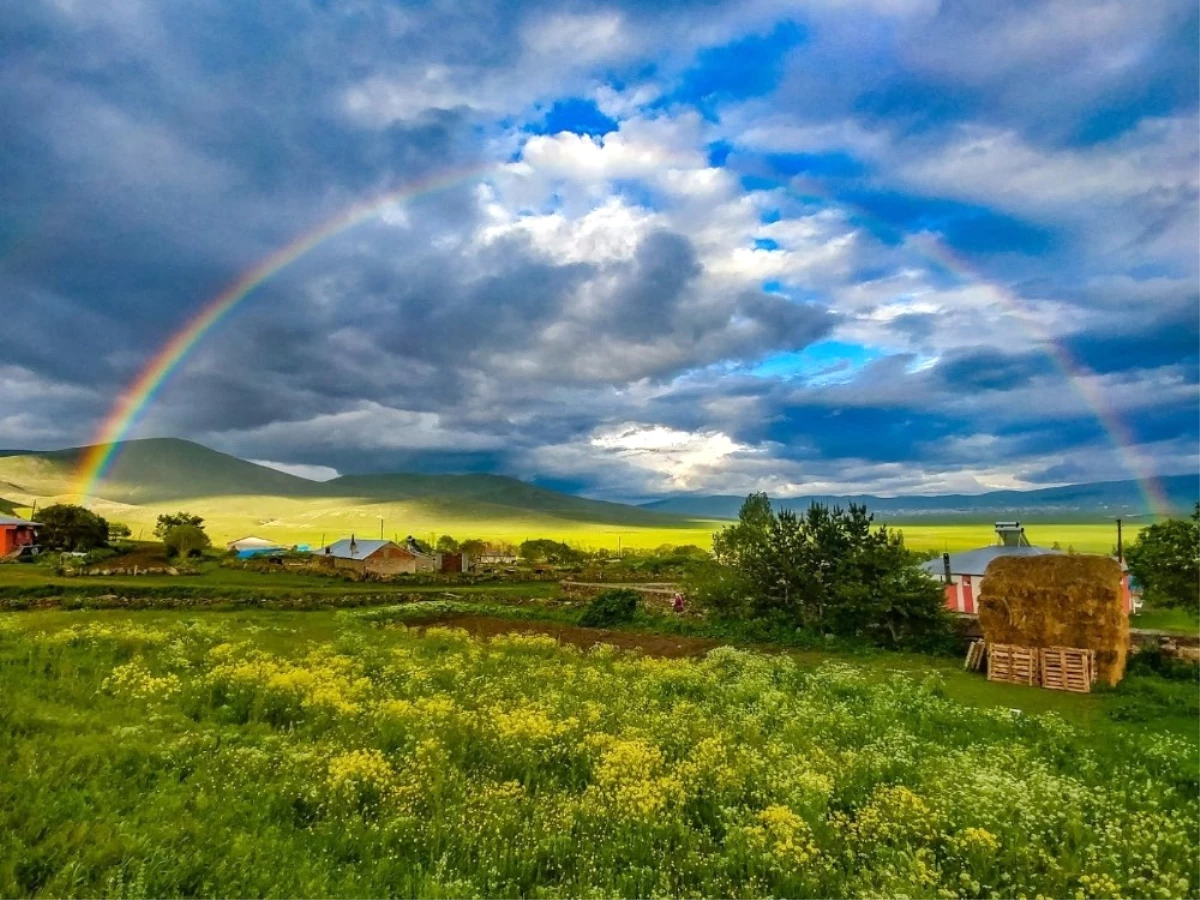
<point x="1057" y="601"/>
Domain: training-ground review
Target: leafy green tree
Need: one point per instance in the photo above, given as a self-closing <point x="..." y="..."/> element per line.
<point x="446" y="544"/>
<point x="71" y="528"/>
<point x="118" y="531"/>
<point x="740" y="544"/>
<point x="1165" y="560"/>
<point x="828" y="570"/>
<point x="168" y="521"/>
<point x="543" y="550"/>
<point x="473" y="547"/>
<point x="185" y="541"/>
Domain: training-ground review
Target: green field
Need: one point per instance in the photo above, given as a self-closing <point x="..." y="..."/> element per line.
<point x="320" y="754"/>
<point x="309" y="521"/>
<point x="1082" y="538"/>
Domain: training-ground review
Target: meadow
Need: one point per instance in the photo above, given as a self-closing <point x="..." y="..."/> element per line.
<point x="352" y="754"/>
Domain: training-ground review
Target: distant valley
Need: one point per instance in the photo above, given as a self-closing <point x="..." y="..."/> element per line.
<point x="238" y="497"/>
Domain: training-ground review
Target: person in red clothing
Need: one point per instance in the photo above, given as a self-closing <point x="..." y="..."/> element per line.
<point x="678" y="602"/>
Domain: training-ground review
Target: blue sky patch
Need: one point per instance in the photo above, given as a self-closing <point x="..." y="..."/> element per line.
<point x="577" y="115"/>
<point x="824" y="362"/>
<point x="746" y="68"/>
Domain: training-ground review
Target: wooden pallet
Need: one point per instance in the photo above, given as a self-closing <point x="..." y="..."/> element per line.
<point x="975" y="654"/>
<point x="1012" y="664"/>
<point x="1068" y="669"/>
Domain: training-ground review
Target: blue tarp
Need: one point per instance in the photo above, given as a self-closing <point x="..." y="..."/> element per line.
<point x="259" y="551"/>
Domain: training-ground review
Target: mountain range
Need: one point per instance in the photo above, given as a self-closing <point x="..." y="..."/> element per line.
<point x="155" y="471"/>
<point x="1095" y="501"/>
<point x="236" y="496"/>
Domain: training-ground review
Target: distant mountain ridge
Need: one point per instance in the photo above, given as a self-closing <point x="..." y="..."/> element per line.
<point x="156" y="471"/>
<point x="1077" y="502"/>
<point x="164" y="470"/>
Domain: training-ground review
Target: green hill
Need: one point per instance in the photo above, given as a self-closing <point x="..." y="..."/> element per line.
<point x="154" y="470"/>
<point x="491" y="494"/>
<point x="158" y="471"/>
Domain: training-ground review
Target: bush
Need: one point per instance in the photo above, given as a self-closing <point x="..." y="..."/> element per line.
<point x="70" y="528"/>
<point x="615" y="607"/>
<point x="1152" y="661"/>
<point x="186" y="540"/>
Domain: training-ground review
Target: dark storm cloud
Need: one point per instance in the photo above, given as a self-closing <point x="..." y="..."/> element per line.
<point x="152" y="153"/>
<point x="989" y="369"/>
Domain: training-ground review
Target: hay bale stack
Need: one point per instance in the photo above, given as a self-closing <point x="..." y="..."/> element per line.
<point x="1057" y="601"/>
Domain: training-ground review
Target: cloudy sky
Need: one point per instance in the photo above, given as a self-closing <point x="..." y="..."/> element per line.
<point x="897" y="247"/>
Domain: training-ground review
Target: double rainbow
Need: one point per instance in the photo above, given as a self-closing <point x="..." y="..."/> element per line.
<point x="131" y="405"/>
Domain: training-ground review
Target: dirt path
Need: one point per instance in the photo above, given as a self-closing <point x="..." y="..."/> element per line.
<point x="669" y="646"/>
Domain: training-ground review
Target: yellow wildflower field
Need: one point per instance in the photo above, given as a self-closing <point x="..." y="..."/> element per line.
<point x="193" y="756"/>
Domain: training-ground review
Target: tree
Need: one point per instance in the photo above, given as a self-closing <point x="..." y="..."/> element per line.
<point x="67" y="527"/>
<point x="544" y="550"/>
<point x="185" y="541"/>
<point x="1165" y="560"/>
<point x="826" y="570"/>
<point x="739" y="544"/>
<point x="118" y="531"/>
<point x="446" y="544"/>
<point x="167" y="521"/>
<point x="473" y="547"/>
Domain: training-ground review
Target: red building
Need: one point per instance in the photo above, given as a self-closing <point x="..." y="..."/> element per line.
<point x="962" y="573"/>
<point x="16" y="533"/>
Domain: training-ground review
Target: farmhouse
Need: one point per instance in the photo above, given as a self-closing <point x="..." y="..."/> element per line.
<point x="962" y="573"/>
<point x="377" y="557"/>
<point x="16" y="534"/>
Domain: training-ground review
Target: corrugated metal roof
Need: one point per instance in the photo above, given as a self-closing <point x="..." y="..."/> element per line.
<point x="975" y="562"/>
<point x="362" y="549"/>
<point x="13" y="520"/>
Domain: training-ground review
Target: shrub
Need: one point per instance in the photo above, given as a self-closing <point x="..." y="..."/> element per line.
<point x="70" y="528"/>
<point x="611" y="608"/>
<point x="186" y="540"/>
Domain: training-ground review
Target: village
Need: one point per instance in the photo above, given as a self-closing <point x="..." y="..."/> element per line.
<point x="661" y="582"/>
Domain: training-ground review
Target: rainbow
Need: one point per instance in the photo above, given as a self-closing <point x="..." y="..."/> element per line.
<point x="137" y="397"/>
<point x="134" y="400"/>
<point x="1074" y="372"/>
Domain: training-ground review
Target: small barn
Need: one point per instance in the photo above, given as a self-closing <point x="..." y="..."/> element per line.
<point x="962" y="573"/>
<point x="16" y="534"/>
<point x="376" y="557"/>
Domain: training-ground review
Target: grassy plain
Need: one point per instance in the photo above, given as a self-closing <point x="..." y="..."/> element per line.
<point x="320" y="754"/>
<point x="293" y="521"/>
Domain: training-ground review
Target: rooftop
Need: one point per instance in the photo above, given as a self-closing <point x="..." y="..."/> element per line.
<point x="975" y="562"/>
<point x="13" y="520"/>
<point x="362" y="549"/>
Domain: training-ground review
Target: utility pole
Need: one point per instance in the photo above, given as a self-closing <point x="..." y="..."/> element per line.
<point x="1120" y="541"/>
<point x="618" y="534"/>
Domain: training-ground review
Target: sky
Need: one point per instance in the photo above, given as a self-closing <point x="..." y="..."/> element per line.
<point x="801" y="247"/>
